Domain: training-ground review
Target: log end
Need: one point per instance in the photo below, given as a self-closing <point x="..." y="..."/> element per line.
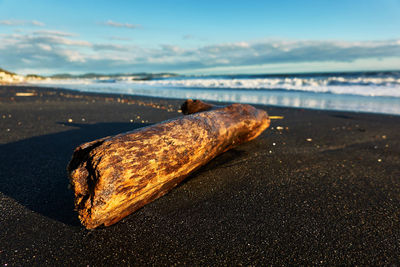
<point x="193" y="106"/>
<point x="83" y="180"/>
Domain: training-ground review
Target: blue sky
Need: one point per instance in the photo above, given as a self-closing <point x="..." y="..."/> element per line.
<point x="47" y="37"/>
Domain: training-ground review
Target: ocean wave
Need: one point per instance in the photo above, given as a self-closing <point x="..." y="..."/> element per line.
<point x="367" y="94"/>
<point x="369" y="86"/>
<point x="364" y="86"/>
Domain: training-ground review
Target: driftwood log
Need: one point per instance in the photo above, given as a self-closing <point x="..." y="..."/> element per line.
<point x="114" y="176"/>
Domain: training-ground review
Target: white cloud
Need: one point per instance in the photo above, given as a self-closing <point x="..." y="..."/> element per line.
<point x="168" y="50"/>
<point x="121" y="25"/>
<point x="21" y="23"/>
<point x="11" y="22"/>
<point x="118" y="38"/>
<point x="54" y="33"/>
<point x="37" y="23"/>
<point x="111" y="47"/>
<point x="73" y="56"/>
<point x="63" y="51"/>
<point x="45" y="47"/>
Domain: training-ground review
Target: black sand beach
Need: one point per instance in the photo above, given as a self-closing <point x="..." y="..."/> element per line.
<point x="318" y="187"/>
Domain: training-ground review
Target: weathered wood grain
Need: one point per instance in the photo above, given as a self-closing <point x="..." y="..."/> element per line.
<point x="114" y="176"/>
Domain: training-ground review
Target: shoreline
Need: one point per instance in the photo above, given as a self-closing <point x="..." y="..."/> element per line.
<point x="28" y="87"/>
<point x="318" y="187"/>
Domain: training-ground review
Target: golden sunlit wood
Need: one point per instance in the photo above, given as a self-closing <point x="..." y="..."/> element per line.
<point x="114" y="176"/>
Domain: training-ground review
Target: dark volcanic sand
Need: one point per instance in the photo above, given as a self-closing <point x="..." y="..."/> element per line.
<point x="280" y="199"/>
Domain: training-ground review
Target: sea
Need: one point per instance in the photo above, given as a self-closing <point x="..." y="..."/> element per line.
<point x="376" y="92"/>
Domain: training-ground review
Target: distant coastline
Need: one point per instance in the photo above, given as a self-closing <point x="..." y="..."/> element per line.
<point x="8" y="77"/>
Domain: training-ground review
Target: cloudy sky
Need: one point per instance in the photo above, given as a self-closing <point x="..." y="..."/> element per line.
<point x="47" y="36"/>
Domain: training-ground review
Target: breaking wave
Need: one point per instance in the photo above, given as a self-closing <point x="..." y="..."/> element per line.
<point x="388" y="86"/>
<point x="377" y="93"/>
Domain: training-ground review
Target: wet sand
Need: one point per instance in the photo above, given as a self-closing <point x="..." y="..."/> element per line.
<point x="318" y="187"/>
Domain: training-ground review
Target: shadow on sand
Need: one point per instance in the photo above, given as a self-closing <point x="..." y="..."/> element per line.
<point x="33" y="171"/>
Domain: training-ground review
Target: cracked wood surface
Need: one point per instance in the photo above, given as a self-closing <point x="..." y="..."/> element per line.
<point x="114" y="176"/>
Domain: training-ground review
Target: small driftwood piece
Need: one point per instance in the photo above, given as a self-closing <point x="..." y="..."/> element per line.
<point x="114" y="176"/>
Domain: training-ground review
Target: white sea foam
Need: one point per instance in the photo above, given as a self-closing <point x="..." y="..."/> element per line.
<point x="365" y="86"/>
<point x="370" y="94"/>
<point x="336" y="85"/>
